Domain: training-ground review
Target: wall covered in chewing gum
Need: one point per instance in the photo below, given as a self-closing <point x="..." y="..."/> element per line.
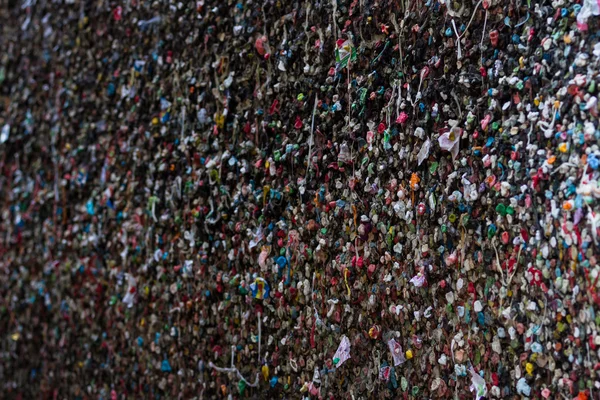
<point x="299" y="199"/>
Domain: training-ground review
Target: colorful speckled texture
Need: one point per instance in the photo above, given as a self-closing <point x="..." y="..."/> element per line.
<point x="299" y="200"/>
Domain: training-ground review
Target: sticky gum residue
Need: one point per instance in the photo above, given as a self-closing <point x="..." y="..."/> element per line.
<point x="316" y="200"/>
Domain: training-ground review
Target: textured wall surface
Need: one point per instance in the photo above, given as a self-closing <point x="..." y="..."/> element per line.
<point x="277" y="199"/>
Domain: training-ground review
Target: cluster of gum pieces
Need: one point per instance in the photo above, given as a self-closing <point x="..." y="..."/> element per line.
<point x="299" y="199"/>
